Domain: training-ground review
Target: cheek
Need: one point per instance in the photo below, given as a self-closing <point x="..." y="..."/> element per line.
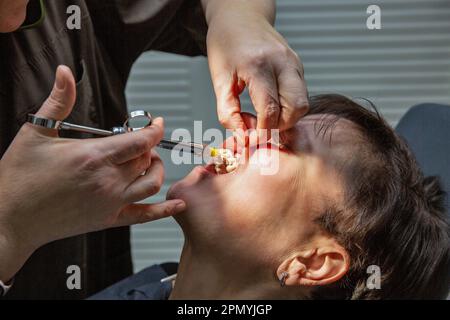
<point x="251" y="223"/>
<point x="252" y="203"/>
<point x="260" y="198"/>
<point x="266" y="162"/>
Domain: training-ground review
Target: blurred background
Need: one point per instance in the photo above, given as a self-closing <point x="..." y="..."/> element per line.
<point x="405" y="63"/>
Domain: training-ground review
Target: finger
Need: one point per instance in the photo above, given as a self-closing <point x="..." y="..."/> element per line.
<point x="141" y="213"/>
<point x="133" y="169"/>
<point x="252" y="134"/>
<point x="227" y="88"/>
<point x="148" y="184"/>
<point x="233" y="143"/>
<point x="59" y="104"/>
<point x="125" y="147"/>
<point x="263" y="91"/>
<point x="293" y="97"/>
<point x="249" y="120"/>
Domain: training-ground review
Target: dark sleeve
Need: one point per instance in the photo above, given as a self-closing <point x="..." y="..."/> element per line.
<point x="127" y="28"/>
<point x="186" y="32"/>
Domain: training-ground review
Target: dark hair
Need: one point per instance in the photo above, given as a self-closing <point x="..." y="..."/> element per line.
<point x="393" y="216"/>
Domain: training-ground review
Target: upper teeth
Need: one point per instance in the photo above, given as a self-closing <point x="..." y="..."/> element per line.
<point x="225" y="161"/>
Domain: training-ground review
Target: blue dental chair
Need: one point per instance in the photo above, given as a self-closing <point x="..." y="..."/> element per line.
<point x="426" y="128"/>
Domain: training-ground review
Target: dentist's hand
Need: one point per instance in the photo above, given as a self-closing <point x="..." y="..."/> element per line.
<point x="244" y="50"/>
<point x="52" y="188"/>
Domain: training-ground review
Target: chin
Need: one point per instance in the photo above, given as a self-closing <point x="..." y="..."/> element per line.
<point x="181" y="189"/>
<point x="185" y="190"/>
<point x="198" y="191"/>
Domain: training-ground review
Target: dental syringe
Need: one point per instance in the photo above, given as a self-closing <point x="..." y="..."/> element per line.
<point x="140" y="115"/>
<point x="192" y="147"/>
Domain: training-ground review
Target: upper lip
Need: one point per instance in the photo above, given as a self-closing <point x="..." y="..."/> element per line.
<point x="267" y="145"/>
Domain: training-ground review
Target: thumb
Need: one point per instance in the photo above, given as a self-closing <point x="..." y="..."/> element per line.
<point x="59" y="104"/>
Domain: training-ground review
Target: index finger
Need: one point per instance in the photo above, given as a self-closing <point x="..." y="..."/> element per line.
<point x="263" y="91"/>
<point x="125" y="147"/>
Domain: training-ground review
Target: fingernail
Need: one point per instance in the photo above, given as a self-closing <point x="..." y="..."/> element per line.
<point x="159" y="119"/>
<point x="179" y="206"/>
<point x="60" y="81"/>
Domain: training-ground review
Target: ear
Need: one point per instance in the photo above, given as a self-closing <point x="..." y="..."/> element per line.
<point x="321" y="265"/>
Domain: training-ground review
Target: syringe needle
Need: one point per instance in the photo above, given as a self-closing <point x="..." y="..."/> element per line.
<point x="195" y="148"/>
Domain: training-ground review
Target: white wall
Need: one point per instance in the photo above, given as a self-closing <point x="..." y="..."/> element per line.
<point x="404" y="63"/>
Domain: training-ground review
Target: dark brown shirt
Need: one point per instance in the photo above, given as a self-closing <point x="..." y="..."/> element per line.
<point x="113" y="34"/>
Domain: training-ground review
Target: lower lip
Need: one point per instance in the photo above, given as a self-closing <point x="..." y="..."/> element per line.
<point x="210" y="168"/>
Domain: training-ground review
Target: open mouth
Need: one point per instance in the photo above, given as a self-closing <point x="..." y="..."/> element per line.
<point x="223" y="161"/>
<point x="227" y="160"/>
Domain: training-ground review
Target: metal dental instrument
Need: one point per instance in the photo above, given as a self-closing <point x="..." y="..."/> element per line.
<point x="137" y="120"/>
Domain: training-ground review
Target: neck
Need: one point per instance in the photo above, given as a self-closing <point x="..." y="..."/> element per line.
<point x="207" y="277"/>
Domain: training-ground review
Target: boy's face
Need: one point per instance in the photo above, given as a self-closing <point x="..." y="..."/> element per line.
<point x="259" y="217"/>
<point x="12" y="14"/>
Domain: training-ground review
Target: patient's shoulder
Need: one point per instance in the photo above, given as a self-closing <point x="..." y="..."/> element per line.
<point x="144" y="285"/>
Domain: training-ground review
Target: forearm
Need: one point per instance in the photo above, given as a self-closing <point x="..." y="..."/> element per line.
<point x="13" y="252"/>
<point x="214" y="9"/>
<point x="12" y="257"/>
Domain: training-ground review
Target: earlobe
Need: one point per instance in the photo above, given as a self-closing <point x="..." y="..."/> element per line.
<point x="320" y="266"/>
<point x="294" y="268"/>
